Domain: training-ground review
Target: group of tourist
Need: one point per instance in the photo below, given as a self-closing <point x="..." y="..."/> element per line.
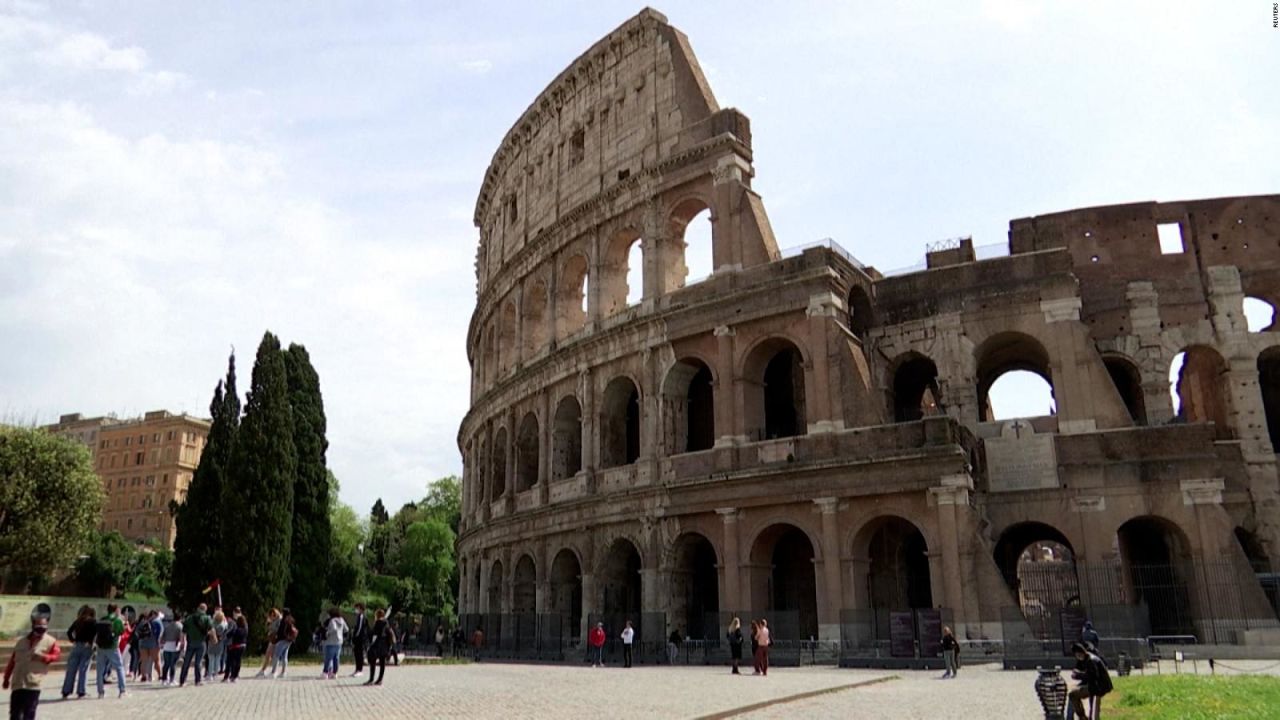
<point x="208" y="645"/>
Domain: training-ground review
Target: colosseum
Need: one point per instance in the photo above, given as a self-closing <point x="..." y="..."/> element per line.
<point x="803" y="438"/>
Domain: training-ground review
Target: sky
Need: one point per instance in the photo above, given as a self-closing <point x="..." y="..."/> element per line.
<point x="176" y="178"/>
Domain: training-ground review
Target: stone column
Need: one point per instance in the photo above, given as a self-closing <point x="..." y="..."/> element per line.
<point x="542" y="593"/>
<point x="593" y="281"/>
<point x="509" y="487"/>
<point x="590" y="603"/>
<point x="519" y="349"/>
<point x="829" y="622"/>
<point x="586" y="396"/>
<point x="652" y="591"/>
<point x="728" y="412"/>
<point x="818" y="400"/>
<point x="953" y="492"/>
<point x="731" y="599"/>
<point x="544" y="449"/>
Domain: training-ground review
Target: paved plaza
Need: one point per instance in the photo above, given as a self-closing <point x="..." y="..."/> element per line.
<point x="492" y="690"/>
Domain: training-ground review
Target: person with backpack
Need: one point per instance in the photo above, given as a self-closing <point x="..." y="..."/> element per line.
<point x="147" y="631"/>
<point x="1094" y="679"/>
<point x="172" y="643"/>
<point x="335" y="629"/>
<point x="81" y="634"/>
<point x="286" y="633"/>
<point x="382" y="645"/>
<point x="198" y="628"/>
<point x="110" y="628"/>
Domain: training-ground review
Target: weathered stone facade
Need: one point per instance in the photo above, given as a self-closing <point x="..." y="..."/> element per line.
<point x="798" y="432"/>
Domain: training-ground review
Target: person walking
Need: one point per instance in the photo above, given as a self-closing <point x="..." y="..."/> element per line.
<point x="217" y="652"/>
<point x="148" y="632"/>
<point x="172" y="643"/>
<point x="383" y="640"/>
<point x="198" y="628"/>
<point x="765" y="642"/>
<point x="237" y="638"/>
<point x="1089" y="638"/>
<point x="596" y="638"/>
<point x="440" y="640"/>
<point x="81" y="634"/>
<point x="950" y="653"/>
<point x="107" y="638"/>
<point x="673" y="645"/>
<point x="286" y="633"/>
<point x="273" y="625"/>
<point x="459" y="640"/>
<point x="1094" y="679"/>
<point x="334" y="632"/>
<point x="735" y="644"/>
<point x="28" y="664"/>
<point x="628" y="637"/>
<point x="359" y="639"/>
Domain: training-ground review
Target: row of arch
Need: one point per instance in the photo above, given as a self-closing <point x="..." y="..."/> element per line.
<point x="775" y="409"/>
<point x="547" y="310"/>
<point x="898" y="576"/>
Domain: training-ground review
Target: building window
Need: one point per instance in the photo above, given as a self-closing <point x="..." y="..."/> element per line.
<point x="119" y="482"/>
<point x="577" y="147"/>
<point x="128" y="441"/>
<point x="170" y="437"/>
<point x="142" y="439"/>
<point x="155" y="438"/>
<point x="151" y="481"/>
<point x="103" y="446"/>
<point x="130" y="523"/>
<point x="166" y="479"/>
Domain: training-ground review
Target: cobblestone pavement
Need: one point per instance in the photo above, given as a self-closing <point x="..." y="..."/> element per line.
<point x="493" y="690"/>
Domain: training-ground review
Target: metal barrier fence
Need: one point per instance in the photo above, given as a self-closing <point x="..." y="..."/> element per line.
<point x="897" y="634"/>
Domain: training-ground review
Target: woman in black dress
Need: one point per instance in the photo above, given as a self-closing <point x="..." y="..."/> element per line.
<point x="384" y="641"/>
<point x="735" y="643"/>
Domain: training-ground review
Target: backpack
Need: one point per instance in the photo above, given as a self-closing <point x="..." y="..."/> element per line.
<point x="143" y="630"/>
<point x="106" y="635"/>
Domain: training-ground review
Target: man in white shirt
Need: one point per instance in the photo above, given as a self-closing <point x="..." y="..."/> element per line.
<point x="628" y="637"/>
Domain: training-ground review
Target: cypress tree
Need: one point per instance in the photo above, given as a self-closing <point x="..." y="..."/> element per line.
<point x="197" y="546"/>
<point x="309" y="558"/>
<point x="258" y="497"/>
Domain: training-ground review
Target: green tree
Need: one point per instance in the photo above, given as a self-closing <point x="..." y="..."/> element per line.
<point x="380" y="533"/>
<point x="347" y="533"/>
<point x="199" y="542"/>
<point x="50" y="501"/>
<point x="310" y="555"/>
<point x="425" y="555"/>
<point x="444" y="503"/>
<point x="258" y="496"/>
<point x="105" y="567"/>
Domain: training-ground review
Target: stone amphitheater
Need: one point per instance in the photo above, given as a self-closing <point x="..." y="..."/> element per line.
<point x="801" y="436"/>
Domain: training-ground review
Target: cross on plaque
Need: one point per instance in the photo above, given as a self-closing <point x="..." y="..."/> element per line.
<point x="1018" y="426"/>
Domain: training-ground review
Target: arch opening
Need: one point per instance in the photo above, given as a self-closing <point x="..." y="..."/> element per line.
<point x="1269" y="386"/>
<point x="1038" y="564"/>
<point x="1014" y="378"/>
<point x="790" y="584"/>
<point x="692" y="257"/>
<point x="495" y="587"/>
<point x="527" y="453"/>
<point x="571" y="303"/>
<point x="861" y="315"/>
<point x="499" y="467"/>
<point x="1128" y="382"/>
<point x="620" y="580"/>
<point x="524" y="587"/>
<point x="898" y="568"/>
<point x="1259" y="315"/>
<point x="566" y="439"/>
<point x="622" y="273"/>
<point x="777" y="408"/>
<point x="1156" y="557"/>
<point x="1197" y="381"/>
<point x="915" y="390"/>
<point x="695" y="588"/>
<point x="566" y="590"/>
<point x="620" y="424"/>
<point x="688" y="407"/>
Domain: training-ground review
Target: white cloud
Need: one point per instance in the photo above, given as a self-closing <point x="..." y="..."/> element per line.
<point x="87" y="51"/>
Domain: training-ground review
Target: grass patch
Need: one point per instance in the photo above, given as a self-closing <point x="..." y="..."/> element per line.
<point x="1193" y="697"/>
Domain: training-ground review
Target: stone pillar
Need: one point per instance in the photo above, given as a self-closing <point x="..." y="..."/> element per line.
<point x="818" y="387"/>
<point x="952" y="493"/>
<point x="728" y="410"/>
<point x="586" y="396"/>
<point x="464" y="589"/>
<point x="542" y="593"/>
<point x="484" y="587"/>
<point x="731" y="598"/>
<point x="594" y="267"/>
<point x="590" y="603"/>
<point x="509" y="487"/>
<point x="544" y="449"/>
<point x="829" y="621"/>
<point x="652" y="591"/>
<point x="519" y="339"/>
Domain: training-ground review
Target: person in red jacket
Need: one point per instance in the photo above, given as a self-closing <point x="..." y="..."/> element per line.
<point x="596" y="638"/>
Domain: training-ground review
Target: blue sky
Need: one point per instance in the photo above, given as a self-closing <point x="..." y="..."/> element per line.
<point x="177" y="177"/>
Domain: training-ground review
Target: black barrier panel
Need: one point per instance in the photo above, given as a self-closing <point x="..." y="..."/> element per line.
<point x="871" y="633"/>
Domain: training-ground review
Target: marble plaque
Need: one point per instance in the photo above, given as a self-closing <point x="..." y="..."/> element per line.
<point x="1020" y="459"/>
